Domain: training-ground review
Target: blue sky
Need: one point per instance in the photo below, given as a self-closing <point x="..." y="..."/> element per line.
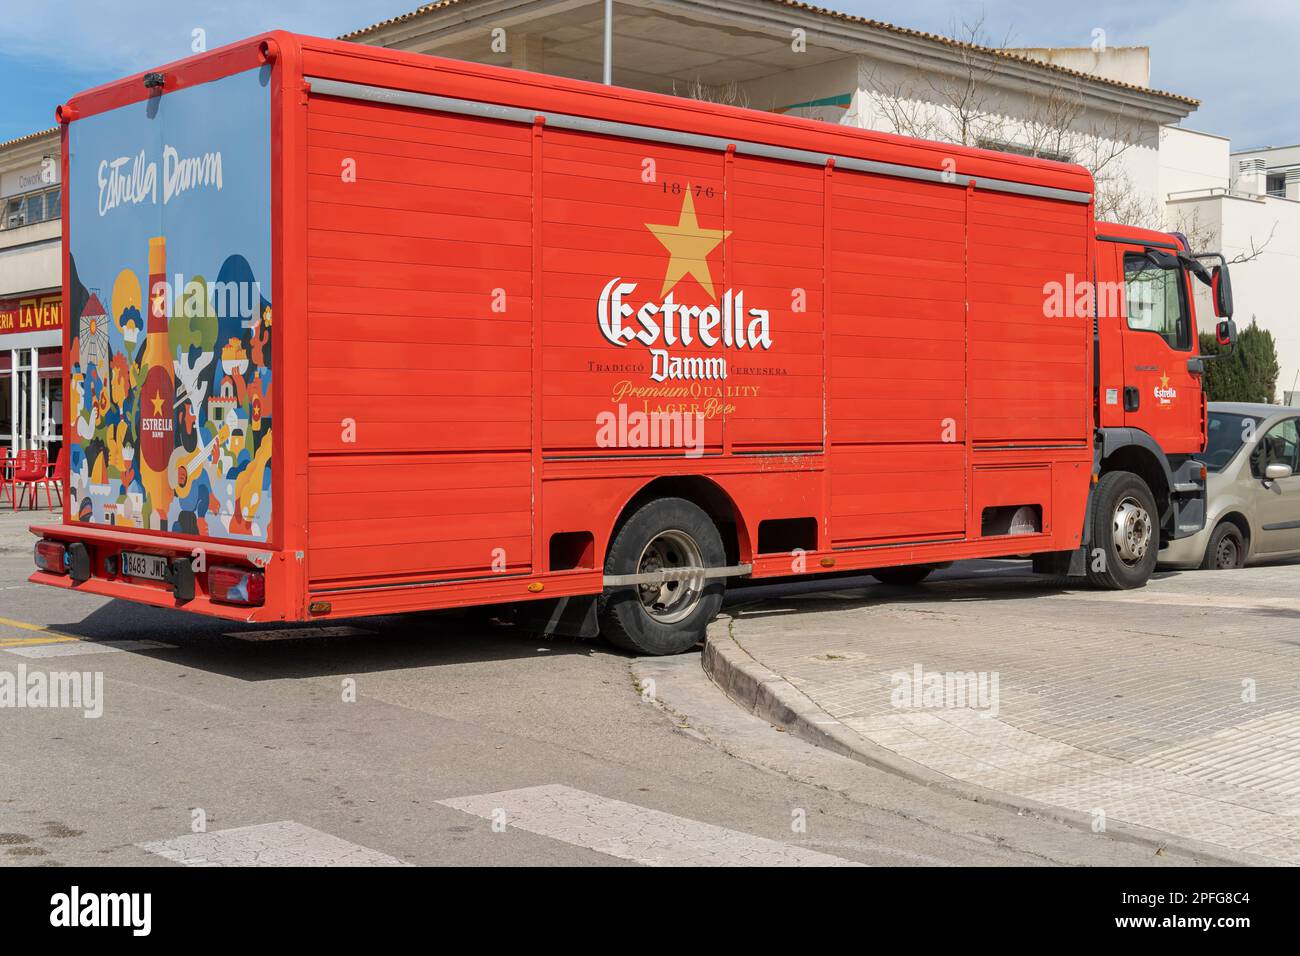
<point x="1238" y="58"/>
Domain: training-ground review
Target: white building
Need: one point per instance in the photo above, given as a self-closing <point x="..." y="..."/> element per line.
<point x="1246" y="204"/>
<point x="1090" y="106"/>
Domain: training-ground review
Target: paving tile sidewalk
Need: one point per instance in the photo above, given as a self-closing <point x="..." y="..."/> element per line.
<point x="1175" y="708"/>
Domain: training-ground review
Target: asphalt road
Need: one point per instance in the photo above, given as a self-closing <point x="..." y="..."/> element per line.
<point x="422" y="740"/>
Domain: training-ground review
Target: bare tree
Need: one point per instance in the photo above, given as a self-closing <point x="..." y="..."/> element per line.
<point x="969" y="105"/>
<point x="729" y="94"/>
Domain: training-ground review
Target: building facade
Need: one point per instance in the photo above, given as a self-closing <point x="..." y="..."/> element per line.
<point x="31" y="319"/>
<point x="1090" y="106"/>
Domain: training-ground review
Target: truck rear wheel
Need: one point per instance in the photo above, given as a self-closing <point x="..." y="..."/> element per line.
<point x="666" y="617"/>
<point x="1124" y="530"/>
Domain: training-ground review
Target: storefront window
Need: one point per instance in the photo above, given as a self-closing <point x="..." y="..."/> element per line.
<point x="6" y="417"/>
<point x="31" y="373"/>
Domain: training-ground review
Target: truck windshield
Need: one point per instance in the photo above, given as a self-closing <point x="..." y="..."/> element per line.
<point x="1225" y="434"/>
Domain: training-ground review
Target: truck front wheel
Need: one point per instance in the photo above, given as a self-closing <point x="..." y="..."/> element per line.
<point x="1125" y="536"/>
<point x="668" y="616"/>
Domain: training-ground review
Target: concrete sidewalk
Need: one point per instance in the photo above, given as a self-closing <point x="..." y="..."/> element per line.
<point x="1170" y="714"/>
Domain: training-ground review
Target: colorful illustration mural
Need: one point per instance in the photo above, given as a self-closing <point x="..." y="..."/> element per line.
<point x="170" y="359"/>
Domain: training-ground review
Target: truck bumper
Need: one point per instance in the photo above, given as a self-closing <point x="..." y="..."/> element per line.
<point x="103" y="550"/>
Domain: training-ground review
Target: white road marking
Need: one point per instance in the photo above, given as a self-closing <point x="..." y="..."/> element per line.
<point x="285" y="843"/>
<point x="79" y="648"/>
<point x="632" y="832"/>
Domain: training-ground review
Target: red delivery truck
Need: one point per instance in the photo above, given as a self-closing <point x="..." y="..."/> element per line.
<point x="355" y="331"/>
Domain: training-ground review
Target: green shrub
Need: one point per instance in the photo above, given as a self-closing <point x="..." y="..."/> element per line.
<point x="1249" y="374"/>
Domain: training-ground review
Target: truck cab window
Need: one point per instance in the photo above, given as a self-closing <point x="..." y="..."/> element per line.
<point x="1156" y="300"/>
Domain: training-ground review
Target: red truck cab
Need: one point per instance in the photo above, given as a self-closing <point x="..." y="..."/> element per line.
<point x="1151" y="402"/>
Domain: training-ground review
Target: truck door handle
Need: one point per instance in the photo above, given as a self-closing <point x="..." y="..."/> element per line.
<point x="1132" y="398"/>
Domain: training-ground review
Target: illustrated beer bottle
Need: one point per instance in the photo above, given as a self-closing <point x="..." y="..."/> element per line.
<point x="157" y="394"/>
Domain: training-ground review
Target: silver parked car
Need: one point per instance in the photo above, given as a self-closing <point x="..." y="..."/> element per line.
<point x="1253" y="492"/>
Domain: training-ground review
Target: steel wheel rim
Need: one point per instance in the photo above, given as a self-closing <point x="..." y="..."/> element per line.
<point x="1131" y="530"/>
<point x="671" y="601"/>
<point x="1228" y="551"/>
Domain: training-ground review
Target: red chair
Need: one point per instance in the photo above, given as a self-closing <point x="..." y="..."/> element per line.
<point x="6" y="471"/>
<point x="22" y="468"/>
<point x="32" y="471"/>
<point x="60" y="476"/>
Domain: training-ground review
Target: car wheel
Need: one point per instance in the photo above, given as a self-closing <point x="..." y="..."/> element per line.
<point x="1226" y="550"/>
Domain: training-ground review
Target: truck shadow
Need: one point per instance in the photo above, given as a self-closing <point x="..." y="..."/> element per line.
<point x="345" y="647"/>
<point x="432" y="639"/>
<point x="977" y="581"/>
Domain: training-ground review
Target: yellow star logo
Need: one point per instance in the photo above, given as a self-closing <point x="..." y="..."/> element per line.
<point x="1164" y="381"/>
<point x="157" y="402"/>
<point x="688" y="246"/>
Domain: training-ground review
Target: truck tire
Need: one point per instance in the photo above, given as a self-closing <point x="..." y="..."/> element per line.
<point x="1124" y="529"/>
<point x="904" y="576"/>
<point x="1226" y="550"/>
<point x="664" y="618"/>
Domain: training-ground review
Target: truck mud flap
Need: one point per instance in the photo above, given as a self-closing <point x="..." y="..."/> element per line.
<point x="566" y="616"/>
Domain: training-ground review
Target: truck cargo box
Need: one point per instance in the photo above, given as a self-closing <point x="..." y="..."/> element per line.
<point x="371" y="331"/>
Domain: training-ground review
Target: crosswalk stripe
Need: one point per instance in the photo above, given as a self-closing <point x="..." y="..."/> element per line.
<point x="285" y="843"/>
<point x="74" y="647"/>
<point x="631" y="832"/>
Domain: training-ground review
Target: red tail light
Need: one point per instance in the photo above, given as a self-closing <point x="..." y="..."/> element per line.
<point x="230" y="585"/>
<point x="52" y="556"/>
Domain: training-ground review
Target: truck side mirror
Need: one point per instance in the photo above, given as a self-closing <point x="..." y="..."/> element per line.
<point x="1221" y="287"/>
<point x="1226" y="333"/>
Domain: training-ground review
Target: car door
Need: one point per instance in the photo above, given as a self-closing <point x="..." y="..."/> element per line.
<point x="1162" y="396"/>
<point x="1277" y="502"/>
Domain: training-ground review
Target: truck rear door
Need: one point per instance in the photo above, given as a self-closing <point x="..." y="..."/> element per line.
<point x="169" y="382"/>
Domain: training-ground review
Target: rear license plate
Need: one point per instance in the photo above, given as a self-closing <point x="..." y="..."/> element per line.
<point x="154" y="567"/>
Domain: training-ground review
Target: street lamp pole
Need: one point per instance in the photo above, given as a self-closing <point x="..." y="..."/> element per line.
<point x="609" y="42"/>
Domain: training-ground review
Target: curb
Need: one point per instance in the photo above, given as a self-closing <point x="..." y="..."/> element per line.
<point x="766" y="694"/>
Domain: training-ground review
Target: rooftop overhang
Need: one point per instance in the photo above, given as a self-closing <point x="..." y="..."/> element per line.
<point x="29" y="149"/>
<point x="662" y="44"/>
<point x="657" y="43"/>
